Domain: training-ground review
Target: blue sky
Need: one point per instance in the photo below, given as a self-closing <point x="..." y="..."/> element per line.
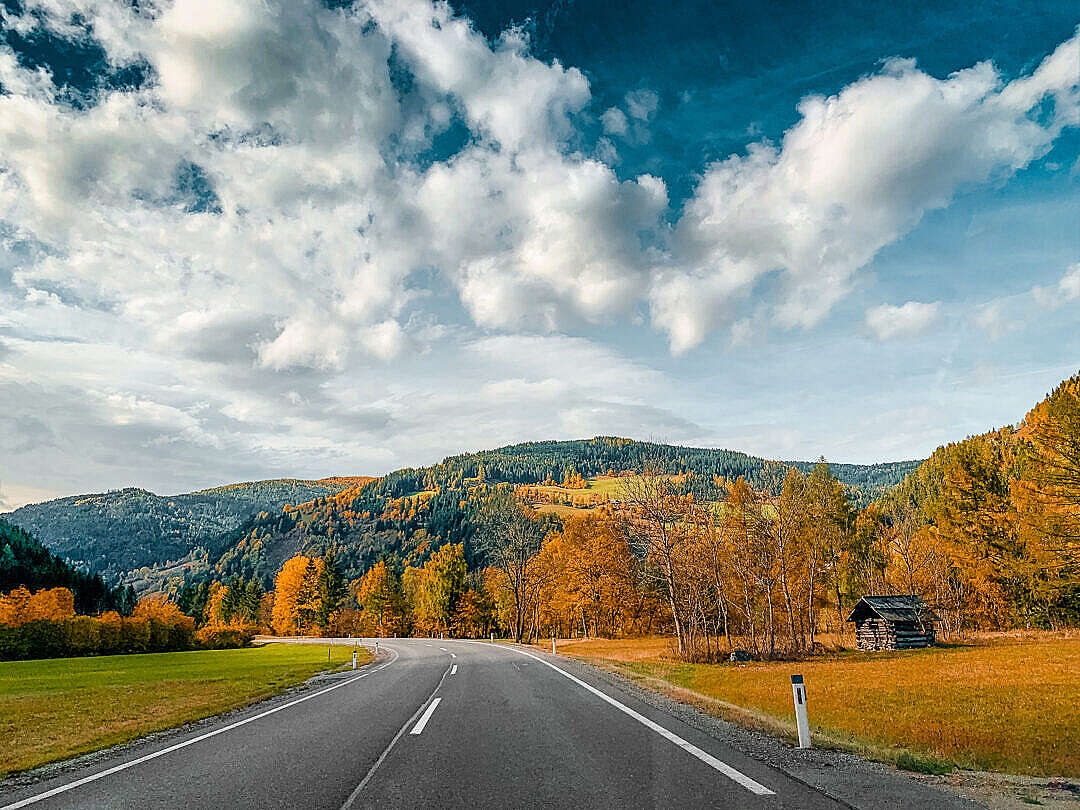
<point x="286" y="239"/>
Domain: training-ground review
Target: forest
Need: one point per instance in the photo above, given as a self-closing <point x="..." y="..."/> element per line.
<point x="113" y="532"/>
<point x="407" y="514"/>
<point x="608" y="537"/>
<point x="986" y="531"/>
<point x="25" y="562"/>
<point x="152" y="541"/>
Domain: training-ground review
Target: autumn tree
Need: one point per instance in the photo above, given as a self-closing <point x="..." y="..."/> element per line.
<point x="289" y="592"/>
<point x="440" y="588"/>
<point x="1049" y="492"/>
<point x="507" y="539"/>
<point x="657" y="530"/>
<point x="382" y="604"/>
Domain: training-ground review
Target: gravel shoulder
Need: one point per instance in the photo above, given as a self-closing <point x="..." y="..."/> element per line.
<point x="859" y="783"/>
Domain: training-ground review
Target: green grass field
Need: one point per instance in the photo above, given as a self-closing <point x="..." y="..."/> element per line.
<point x="1005" y="705"/>
<point x="58" y="708"/>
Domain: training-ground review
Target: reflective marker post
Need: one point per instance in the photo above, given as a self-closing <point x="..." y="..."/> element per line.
<point x="553" y="645"/>
<point x="798" y="689"/>
<point x="354" y="659"/>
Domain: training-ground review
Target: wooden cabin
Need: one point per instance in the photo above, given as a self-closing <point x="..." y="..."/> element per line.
<point x="892" y="623"/>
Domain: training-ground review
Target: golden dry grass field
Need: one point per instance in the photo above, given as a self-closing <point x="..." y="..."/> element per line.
<point x="1000" y="704"/>
<point x="59" y="708"/>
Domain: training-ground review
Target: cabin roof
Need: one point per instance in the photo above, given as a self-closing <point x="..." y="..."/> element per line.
<point x="900" y="608"/>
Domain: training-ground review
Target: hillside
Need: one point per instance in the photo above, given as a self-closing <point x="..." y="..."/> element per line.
<point x="27" y="563"/>
<point x="250" y="529"/>
<point x="115" y="532"/>
<point x="999" y="512"/>
<point x="408" y="513"/>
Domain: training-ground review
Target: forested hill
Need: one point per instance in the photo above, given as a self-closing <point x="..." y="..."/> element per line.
<point x="246" y="529"/>
<point x="24" y="562"/>
<point x="406" y="514"/>
<point x="115" y="532"/>
<point x="534" y="462"/>
<point x="995" y="519"/>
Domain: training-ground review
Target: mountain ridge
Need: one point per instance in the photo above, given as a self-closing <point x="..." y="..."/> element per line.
<point x="120" y="532"/>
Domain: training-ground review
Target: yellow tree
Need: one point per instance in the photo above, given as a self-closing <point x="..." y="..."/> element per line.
<point x="440" y="588"/>
<point x="52" y="604"/>
<point x="289" y="590"/>
<point x="380" y="600"/>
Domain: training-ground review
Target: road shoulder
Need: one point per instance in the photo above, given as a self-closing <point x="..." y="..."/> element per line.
<point x="110" y="755"/>
<point x="858" y="783"/>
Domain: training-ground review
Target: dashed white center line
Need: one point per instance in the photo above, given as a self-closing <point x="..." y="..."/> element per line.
<point x="452" y="655"/>
<point x="453" y="669"/>
<point x="419" y="727"/>
<point x="443" y="649"/>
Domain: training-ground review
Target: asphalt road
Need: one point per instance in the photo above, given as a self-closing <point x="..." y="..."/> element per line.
<point x="434" y="723"/>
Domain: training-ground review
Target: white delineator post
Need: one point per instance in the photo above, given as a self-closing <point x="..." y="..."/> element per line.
<point x="493" y="637"/>
<point x="553" y="645"/>
<point x="798" y="690"/>
<point x="354" y="659"/>
<point x="376" y="646"/>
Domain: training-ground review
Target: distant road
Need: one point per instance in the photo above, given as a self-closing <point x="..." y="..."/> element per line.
<point x="435" y="723"/>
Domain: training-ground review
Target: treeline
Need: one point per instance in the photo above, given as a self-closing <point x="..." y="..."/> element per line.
<point x="991" y="525"/>
<point x="559" y="461"/>
<point x="49" y="609"/>
<point x="25" y="562"/>
<point x="44" y="624"/>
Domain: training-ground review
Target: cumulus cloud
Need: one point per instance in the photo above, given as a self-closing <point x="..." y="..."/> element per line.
<point x="909" y="320"/>
<point x="642" y="104"/>
<point x="614" y="121"/>
<point x="858" y="170"/>
<point x="1065" y="291"/>
<point x="212" y="261"/>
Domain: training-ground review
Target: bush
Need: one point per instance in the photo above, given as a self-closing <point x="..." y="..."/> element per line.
<point x="95" y="635"/>
<point x="224" y="638"/>
<point x="924" y="764"/>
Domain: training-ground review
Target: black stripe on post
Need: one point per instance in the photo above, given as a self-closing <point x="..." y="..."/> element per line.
<point x="796" y="679"/>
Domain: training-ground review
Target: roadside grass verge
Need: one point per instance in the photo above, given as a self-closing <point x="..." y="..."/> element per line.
<point x="1006" y="705"/>
<point x="59" y="708"/>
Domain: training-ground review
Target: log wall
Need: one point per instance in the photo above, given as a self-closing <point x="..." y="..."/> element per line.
<point x="879" y="634"/>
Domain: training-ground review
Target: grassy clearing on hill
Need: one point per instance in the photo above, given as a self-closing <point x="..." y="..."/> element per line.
<point x="60" y="708"/>
<point x="1005" y="704"/>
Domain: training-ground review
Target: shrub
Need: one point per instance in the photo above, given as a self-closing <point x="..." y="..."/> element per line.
<point x="924" y="764"/>
<point x="95" y="635"/>
<point x="222" y="638"/>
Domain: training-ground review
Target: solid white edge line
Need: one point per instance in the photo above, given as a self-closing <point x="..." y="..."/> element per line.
<point x="732" y="774"/>
<point x="453" y="669"/>
<point x="146" y="758"/>
<point x="421" y="724"/>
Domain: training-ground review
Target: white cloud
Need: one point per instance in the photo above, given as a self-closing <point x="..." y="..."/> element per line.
<point x="220" y="264"/>
<point x="642" y="104"/>
<point x="614" y="121"/>
<point x="998" y="317"/>
<point x="1065" y="291"/>
<point x="909" y="320"/>
<point x="859" y="170"/>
